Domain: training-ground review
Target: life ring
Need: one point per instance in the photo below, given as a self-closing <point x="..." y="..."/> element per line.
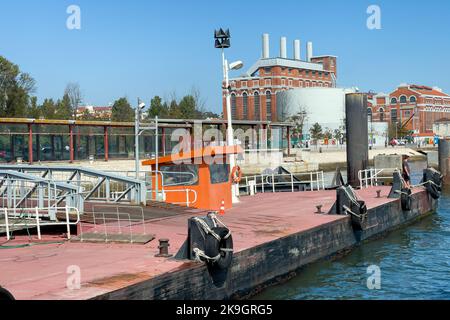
<point x="5" y="295"/>
<point x="222" y="248"/>
<point x="406" y="199"/>
<point x="236" y="174"/>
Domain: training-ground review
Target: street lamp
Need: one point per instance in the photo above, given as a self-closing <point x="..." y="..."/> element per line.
<point x="137" y="125"/>
<point x="222" y="41"/>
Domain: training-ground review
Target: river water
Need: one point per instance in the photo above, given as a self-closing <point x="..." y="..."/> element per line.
<point x="414" y="263"/>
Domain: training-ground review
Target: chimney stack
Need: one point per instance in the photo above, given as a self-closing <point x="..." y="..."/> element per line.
<point x="309" y="51"/>
<point x="283" y="48"/>
<point x="297" y="55"/>
<point x="265" y="46"/>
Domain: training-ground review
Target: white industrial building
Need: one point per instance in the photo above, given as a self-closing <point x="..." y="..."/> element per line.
<point x="325" y="106"/>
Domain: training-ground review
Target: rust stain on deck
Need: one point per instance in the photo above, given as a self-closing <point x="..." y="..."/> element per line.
<point x="119" y="280"/>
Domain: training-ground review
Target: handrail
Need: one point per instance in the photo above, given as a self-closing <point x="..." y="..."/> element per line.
<point x="316" y="184"/>
<point x="38" y="223"/>
<point x="369" y="177"/>
<point x="187" y="191"/>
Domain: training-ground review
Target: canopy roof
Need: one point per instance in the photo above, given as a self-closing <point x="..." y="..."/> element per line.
<point x="206" y="152"/>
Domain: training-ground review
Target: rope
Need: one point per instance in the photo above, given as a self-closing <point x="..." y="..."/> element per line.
<point x="201" y="254"/>
<point x="207" y="229"/>
<point x="351" y="195"/>
<point x="425" y="183"/>
<point x="217" y="221"/>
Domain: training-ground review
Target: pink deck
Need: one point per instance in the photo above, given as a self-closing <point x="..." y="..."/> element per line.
<point x="40" y="272"/>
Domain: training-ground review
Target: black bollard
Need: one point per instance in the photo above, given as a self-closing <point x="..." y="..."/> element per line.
<point x="357" y="136"/>
<point x="163" y="249"/>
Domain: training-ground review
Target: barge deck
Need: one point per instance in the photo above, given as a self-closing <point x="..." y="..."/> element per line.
<point x="273" y="234"/>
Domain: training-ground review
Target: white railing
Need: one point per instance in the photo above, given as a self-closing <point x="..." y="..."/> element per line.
<point x="188" y="202"/>
<point x="372" y="177"/>
<point x="32" y="217"/>
<point x="266" y="182"/>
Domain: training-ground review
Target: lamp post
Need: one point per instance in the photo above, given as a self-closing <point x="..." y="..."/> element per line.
<point x="137" y="132"/>
<point x="222" y="41"/>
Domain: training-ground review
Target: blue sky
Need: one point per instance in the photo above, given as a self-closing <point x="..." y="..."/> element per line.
<point x="144" y="48"/>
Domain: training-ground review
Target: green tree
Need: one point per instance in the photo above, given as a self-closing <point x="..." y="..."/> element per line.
<point x="316" y="132"/>
<point x="174" y="112"/>
<point x="158" y="108"/>
<point x="48" y="109"/>
<point x="328" y="134"/>
<point x="15" y="90"/>
<point x="187" y="108"/>
<point x="122" y="111"/>
<point x="64" y="109"/>
<point x="34" y="111"/>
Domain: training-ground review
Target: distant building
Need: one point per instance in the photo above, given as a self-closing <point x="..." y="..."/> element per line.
<point x="442" y="127"/>
<point x="414" y="107"/>
<point x="95" y="112"/>
<point x="253" y="95"/>
<point x="325" y="106"/>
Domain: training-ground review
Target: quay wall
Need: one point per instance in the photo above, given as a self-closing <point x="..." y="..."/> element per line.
<point x="256" y="267"/>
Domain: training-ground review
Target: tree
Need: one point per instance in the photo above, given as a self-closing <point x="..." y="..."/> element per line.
<point x="48" y="109"/>
<point x="15" y="90"/>
<point x="64" y="110"/>
<point x="328" y="134"/>
<point x="338" y="135"/>
<point x="199" y="103"/>
<point x="75" y="98"/>
<point x="34" y="111"/>
<point x="122" y="111"/>
<point x="158" y="108"/>
<point x="316" y="132"/>
<point x="174" y="112"/>
<point x="298" y="120"/>
<point x="187" y="108"/>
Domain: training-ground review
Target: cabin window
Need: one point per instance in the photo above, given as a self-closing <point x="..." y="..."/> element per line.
<point x="220" y="173"/>
<point x="180" y="175"/>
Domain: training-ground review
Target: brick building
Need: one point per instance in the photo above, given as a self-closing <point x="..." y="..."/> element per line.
<point x="96" y="112"/>
<point x="253" y="95"/>
<point x="414" y="107"/>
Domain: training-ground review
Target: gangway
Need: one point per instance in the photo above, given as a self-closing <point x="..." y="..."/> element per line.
<point x="23" y="190"/>
<point x="92" y="185"/>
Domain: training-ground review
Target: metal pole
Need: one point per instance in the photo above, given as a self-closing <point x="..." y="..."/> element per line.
<point x="230" y="138"/>
<point x="37" y="224"/>
<point x="157" y="160"/>
<point x="8" y="237"/>
<point x="68" y="223"/>
<point x="136" y="139"/>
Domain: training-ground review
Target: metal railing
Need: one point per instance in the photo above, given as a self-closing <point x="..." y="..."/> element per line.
<point x="187" y="192"/>
<point x="268" y="183"/>
<point x="372" y="177"/>
<point x="91" y="184"/>
<point x="33" y="218"/>
<point x="21" y="190"/>
<point x="108" y="224"/>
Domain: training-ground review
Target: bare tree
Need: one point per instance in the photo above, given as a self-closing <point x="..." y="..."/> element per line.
<point x="200" y="102"/>
<point x="75" y="97"/>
